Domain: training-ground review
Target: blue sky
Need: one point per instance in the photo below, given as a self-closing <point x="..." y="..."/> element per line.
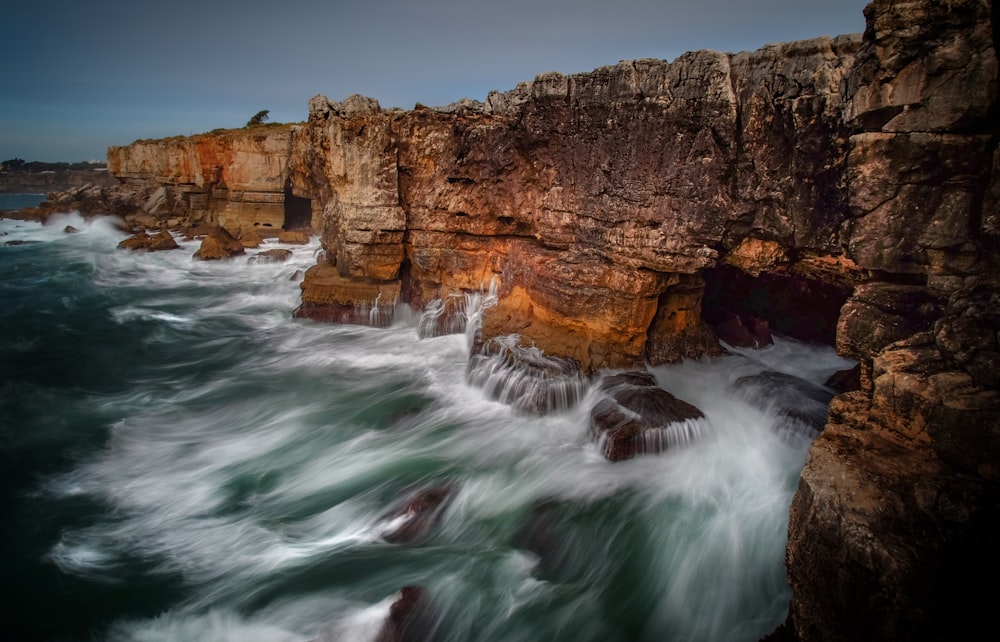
<point x="78" y="77"/>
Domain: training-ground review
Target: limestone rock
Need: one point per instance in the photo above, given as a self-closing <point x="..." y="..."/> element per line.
<point x="327" y="296"/>
<point x="251" y="239"/>
<point x="277" y="255"/>
<point x="525" y="378"/>
<point x="218" y="244"/>
<point x="293" y="237"/>
<point x="143" y="242"/>
<point x="638" y="417"/>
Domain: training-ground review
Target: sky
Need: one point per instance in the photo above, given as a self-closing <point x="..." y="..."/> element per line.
<point x="77" y="77"/>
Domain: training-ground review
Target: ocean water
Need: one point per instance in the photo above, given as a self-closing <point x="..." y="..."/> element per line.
<point x="184" y="461"/>
<point x="11" y="202"/>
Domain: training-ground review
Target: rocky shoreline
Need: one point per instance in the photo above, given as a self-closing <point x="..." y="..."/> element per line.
<point x="839" y="190"/>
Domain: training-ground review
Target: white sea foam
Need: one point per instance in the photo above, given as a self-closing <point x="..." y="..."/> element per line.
<point x="258" y="462"/>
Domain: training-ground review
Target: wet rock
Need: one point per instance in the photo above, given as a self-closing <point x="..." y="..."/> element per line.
<point x="792" y="397"/>
<point x="293" y="237"/>
<point x="638" y="417"/>
<point x="410" y="618"/>
<point x="296" y="275"/>
<point x="753" y="332"/>
<point x="416" y="515"/>
<point x="199" y="231"/>
<point x="278" y="255"/>
<point x="15" y="243"/>
<point x="218" y="244"/>
<point x="251" y="239"/>
<point x="526" y="378"/>
<point x="69" y="229"/>
<point x="845" y="380"/>
<point x="143" y="242"/>
<point x="330" y="297"/>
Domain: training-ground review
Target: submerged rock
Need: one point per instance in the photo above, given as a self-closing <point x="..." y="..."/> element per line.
<point x="525" y="377"/>
<point x="251" y="239"/>
<point x="278" y="255"/>
<point x="800" y="402"/>
<point x="416" y="515"/>
<point x="410" y="618"/>
<point x="638" y="417"/>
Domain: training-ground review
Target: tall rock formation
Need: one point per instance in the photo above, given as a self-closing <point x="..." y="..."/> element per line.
<point x="894" y="527"/>
<point x="839" y="189"/>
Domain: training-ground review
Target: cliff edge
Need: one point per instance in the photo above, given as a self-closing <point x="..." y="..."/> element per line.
<point x="837" y="189"/>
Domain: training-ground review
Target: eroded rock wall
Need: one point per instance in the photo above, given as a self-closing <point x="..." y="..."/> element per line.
<point x="588" y="199"/>
<point x="894" y="525"/>
<point x="236" y="178"/>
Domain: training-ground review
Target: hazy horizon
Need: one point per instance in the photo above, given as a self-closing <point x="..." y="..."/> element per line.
<point x="78" y="78"/>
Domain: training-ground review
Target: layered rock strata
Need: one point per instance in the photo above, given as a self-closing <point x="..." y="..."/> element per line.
<point x="850" y="181"/>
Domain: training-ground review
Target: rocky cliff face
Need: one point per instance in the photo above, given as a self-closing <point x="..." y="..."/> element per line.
<point x="896" y="518"/>
<point x="839" y="189"/>
<point x="237" y="178"/>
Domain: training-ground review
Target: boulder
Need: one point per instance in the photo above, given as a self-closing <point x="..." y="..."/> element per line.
<point x="143" y="242"/>
<point x="638" y="417"/>
<point x="277" y="255"/>
<point x="218" y="244"/>
<point x="526" y="378"/>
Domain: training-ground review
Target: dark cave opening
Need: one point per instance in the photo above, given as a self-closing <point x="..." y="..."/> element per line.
<point x="797" y="306"/>
<point x="298" y="211"/>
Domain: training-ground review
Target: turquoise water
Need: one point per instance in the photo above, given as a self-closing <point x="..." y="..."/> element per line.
<point x="184" y="461"/>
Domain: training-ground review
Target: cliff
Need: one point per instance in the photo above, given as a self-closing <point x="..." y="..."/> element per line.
<point x="841" y="190"/>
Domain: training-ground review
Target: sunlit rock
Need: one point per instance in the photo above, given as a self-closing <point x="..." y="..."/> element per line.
<point x="143" y="242"/>
<point x="219" y="244"/>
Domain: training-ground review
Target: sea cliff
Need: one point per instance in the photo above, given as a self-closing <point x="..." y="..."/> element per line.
<point x="837" y="189"/>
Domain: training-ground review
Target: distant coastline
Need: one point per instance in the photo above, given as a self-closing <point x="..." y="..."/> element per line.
<point x="53" y="180"/>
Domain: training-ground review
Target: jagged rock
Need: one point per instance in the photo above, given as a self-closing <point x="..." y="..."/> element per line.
<point x="251" y="239"/>
<point x="638" y="417"/>
<point x="525" y="377"/>
<point x="845" y="380"/>
<point x="143" y="242"/>
<point x="218" y="244"/>
<point x="416" y="515"/>
<point x="278" y="255"/>
<point x="878" y="314"/>
<point x="330" y="297"/>
<point x="753" y="332"/>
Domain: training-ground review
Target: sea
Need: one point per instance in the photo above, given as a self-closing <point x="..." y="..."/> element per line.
<point x="184" y="460"/>
<point x="11" y="202"/>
